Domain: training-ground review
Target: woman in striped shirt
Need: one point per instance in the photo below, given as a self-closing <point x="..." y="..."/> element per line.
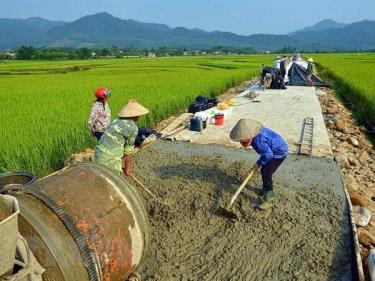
<point x="100" y="116"/>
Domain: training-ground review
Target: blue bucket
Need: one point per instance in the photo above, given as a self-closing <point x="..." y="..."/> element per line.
<point x="196" y="124"/>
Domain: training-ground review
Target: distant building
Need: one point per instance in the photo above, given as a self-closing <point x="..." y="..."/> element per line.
<point x="185" y="53"/>
<point x="93" y="55"/>
<point x="131" y="57"/>
<point x="10" y="55"/>
<point x="151" y="55"/>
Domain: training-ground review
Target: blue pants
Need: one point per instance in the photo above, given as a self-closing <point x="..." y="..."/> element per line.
<point x="267" y="172"/>
<point x="98" y="135"/>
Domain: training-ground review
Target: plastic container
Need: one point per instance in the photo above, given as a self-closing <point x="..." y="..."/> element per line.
<point x="219" y="119"/>
<point x="204" y="124"/>
<point x="196" y="124"/>
<point x="9" y="211"/>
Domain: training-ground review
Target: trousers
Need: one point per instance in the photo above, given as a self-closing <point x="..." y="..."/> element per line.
<point x="267" y="172"/>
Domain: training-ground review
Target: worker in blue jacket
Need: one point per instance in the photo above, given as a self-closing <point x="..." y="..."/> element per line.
<point x="272" y="148"/>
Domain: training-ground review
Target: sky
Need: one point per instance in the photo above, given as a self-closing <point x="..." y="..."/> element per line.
<point x="238" y="16"/>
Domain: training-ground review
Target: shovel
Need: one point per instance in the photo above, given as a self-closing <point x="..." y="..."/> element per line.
<point x="225" y="212"/>
<point x="147" y="190"/>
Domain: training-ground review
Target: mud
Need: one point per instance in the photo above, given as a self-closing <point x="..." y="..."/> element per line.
<point x="306" y="236"/>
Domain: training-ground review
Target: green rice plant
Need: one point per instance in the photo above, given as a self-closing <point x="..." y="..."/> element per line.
<point x="351" y="75"/>
<point x="45" y="105"/>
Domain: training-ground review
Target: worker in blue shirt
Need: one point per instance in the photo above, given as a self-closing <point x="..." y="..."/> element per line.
<point x="271" y="147"/>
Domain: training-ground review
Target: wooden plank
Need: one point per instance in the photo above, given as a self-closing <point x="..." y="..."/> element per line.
<point x="357" y="254"/>
<point x="179" y="121"/>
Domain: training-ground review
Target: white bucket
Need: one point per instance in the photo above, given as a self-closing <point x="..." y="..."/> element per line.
<point x="9" y="211"/>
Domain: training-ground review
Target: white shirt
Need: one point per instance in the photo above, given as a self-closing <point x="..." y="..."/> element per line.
<point x="276" y="63"/>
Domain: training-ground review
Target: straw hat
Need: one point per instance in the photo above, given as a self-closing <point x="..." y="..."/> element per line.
<point x="133" y="109"/>
<point x="278" y="57"/>
<point x="310" y="60"/>
<point x="245" y="129"/>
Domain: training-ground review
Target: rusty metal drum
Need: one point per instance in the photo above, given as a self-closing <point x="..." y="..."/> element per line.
<point x="16" y="178"/>
<point x="84" y="222"/>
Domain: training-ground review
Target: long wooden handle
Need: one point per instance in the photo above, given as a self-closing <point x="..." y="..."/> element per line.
<point x="174" y="132"/>
<point x="142" y="185"/>
<point x="137" y="181"/>
<point x="234" y="197"/>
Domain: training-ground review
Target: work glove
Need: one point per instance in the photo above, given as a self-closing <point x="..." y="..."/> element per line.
<point x="127" y="171"/>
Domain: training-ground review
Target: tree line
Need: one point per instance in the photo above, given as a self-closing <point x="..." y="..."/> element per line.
<point x="31" y="53"/>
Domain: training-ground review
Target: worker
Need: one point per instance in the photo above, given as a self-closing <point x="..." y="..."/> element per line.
<point x="267" y="81"/>
<point x="283" y="64"/>
<point x="116" y="146"/>
<point x="310" y="71"/>
<point x="276" y="62"/>
<point x="272" y="148"/>
<point x="100" y="116"/>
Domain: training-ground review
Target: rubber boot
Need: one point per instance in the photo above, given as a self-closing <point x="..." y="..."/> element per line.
<point x="260" y="192"/>
<point x="267" y="201"/>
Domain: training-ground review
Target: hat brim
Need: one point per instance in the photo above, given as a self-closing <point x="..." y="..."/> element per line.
<point x="133" y="110"/>
<point x="245" y="129"/>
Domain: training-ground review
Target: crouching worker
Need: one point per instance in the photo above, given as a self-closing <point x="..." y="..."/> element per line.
<point x="116" y="146"/>
<point x="272" y="148"/>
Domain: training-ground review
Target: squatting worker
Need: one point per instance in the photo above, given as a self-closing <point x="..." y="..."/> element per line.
<point x="272" y="148"/>
<point x="100" y="116"/>
<point x="116" y="146"/>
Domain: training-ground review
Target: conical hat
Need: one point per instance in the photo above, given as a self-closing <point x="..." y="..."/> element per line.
<point x="245" y="129"/>
<point x="133" y="109"/>
<point x="310" y="60"/>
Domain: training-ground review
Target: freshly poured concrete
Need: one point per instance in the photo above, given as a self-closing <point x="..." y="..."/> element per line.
<point x="281" y="110"/>
<point x="305" y="237"/>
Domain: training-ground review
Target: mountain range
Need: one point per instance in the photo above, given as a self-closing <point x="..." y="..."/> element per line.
<point x="104" y="30"/>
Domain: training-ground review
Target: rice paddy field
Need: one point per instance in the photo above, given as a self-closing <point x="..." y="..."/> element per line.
<point x="45" y="105"/>
<point x="352" y="76"/>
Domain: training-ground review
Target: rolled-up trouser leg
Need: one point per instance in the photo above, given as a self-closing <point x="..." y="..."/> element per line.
<point x="267" y="172"/>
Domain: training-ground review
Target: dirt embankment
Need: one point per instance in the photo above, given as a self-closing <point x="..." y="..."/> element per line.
<point x="306" y="236"/>
<point x="356" y="157"/>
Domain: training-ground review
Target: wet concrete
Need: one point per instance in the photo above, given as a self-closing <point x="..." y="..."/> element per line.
<point x="306" y="236"/>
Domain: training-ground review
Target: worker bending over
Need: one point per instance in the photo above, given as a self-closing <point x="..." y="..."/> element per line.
<point x="116" y="146"/>
<point x="272" y="148"/>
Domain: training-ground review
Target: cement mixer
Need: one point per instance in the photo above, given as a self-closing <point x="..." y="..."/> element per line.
<point x="83" y="222"/>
